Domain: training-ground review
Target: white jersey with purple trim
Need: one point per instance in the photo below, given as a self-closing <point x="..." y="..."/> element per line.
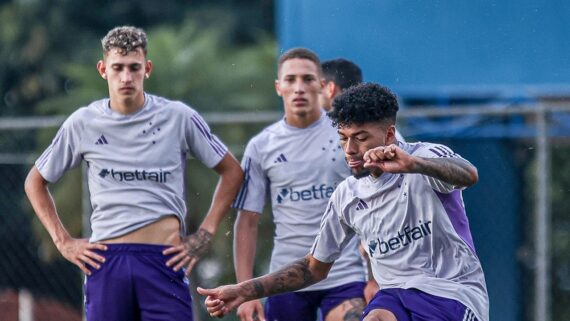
<point x="135" y="162"/>
<point x="299" y="170"/>
<point x="414" y="228"/>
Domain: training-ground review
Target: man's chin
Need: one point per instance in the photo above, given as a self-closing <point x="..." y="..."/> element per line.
<point x="360" y="173"/>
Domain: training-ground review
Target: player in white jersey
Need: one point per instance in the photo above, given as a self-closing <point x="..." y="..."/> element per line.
<point x="296" y="163"/>
<point x="135" y="147"/>
<point x="404" y="203"/>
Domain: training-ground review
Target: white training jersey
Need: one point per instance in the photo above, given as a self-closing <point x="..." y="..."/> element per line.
<point x="399" y="137"/>
<point x="298" y="169"/>
<point x="414" y="228"/>
<point x="135" y="162"/>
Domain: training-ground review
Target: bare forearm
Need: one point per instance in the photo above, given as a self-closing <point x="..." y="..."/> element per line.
<point x="231" y="177"/>
<point x="450" y="170"/>
<point x="44" y="207"/>
<point x="221" y="203"/>
<point x="245" y="241"/>
<point x="295" y="276"/>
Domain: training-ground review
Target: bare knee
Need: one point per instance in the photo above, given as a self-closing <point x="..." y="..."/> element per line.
<point x="380" y="315"/>
<point x="349" y="310"/>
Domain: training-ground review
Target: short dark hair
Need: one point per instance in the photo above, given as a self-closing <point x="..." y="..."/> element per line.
<point x="364" y="103"/>
<point x="126" y="39"/>
<point x="342" y="72"/>
<point x="301" y="53"/>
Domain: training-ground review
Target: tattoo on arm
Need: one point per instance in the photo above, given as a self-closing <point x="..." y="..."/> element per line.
<point x="198" y="243"/>
<point x="450" y="170"/>
<point x="294" y="276"/>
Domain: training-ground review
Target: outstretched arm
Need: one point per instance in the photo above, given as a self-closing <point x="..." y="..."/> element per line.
<point x="196" y="245"/>
<point x="295" y="276"/>
<point x="392" y="159"/>
<point x="77" y="251"/>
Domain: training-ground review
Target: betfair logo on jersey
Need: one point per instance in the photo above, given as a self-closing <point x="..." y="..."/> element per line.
<point x="136" y="175"/>
<point x="315" y="192"/>
<point x="404" y="238"/>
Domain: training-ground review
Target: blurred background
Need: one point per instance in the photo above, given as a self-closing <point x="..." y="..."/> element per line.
<point x="491" y="79"/>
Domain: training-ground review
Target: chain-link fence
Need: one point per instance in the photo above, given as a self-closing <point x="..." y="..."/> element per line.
<point x="517" y="211"/>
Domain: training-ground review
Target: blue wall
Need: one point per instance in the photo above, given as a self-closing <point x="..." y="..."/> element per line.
<point x="438" y="44"/>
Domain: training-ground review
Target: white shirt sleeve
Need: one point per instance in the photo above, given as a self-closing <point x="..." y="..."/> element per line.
<point x="62" y="154"/>
<point x="254" y="189"/>
<point x="399" y="137"/>
<point x="438" y="151"/>
<point x="333" y="235"/>
<point x="202" y="144"/>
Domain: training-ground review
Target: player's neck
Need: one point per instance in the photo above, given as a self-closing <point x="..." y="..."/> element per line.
<point x="302" y="120"/>
<point x="128" y="105"/>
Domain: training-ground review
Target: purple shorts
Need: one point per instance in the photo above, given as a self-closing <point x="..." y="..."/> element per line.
<point x="302" y="306"/>
<point x="415" y="305"/>
<point x="134" y="283"/>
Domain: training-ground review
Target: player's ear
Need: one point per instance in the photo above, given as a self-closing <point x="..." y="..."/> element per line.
<point x="147" y="68"/>
<point x="323" y="85"/>
<point x="102" y="69"/>
<point x="277" y="88"/>
<point x="336" y="90"/>
<point x="391" y="135"/>
<point x="330" y="90"/>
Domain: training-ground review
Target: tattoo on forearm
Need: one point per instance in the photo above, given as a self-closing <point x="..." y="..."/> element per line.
<point x="292" y="277"/>
<point x="198" y="243"/>
<point x="449" y="170"/>
<point x="258" y="288"/>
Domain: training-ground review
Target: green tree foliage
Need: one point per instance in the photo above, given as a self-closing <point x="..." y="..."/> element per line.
<point x="40" y="39"/>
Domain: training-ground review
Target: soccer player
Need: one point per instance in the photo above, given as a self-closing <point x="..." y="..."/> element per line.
<point x="135" y="146"/>
<point x="404" y="203"/>
<point x="297" y="163"/>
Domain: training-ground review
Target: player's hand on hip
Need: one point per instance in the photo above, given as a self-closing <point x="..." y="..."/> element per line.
<point x="390" y="159"/>
<point x="221" y="300"/>
<point x="80" y="252"/>
<point x="251" y="311"/>
<point x="192" y="249"/>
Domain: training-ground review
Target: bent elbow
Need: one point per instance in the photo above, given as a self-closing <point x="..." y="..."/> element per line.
<point x="30" y="182"/>
<point x="319" y="270"/>
<point x="33" y="182"/>
<point x="321" y="276"/>
<point x="473" y="176"/>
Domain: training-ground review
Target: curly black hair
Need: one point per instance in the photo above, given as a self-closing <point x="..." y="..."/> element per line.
<point x="364" y="103"/>
<point x="126" y="39"/>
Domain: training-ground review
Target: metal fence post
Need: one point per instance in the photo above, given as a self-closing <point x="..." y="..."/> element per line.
<point x="542" y="219"/>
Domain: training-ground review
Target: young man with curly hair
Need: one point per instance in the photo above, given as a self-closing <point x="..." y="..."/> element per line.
<point x="135" y="146"/>
<point x="404" y="203"/>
